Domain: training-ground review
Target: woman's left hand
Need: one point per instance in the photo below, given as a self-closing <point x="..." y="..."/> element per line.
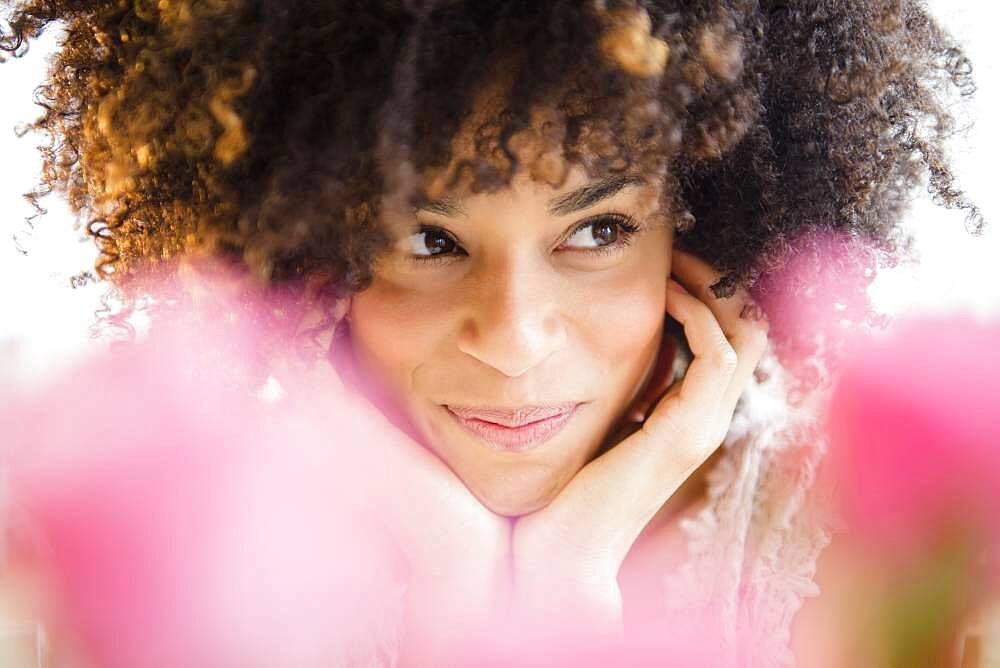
<point x="567" y="555"/>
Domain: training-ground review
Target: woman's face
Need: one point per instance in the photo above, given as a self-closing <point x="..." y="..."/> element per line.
<point x="492" y="305"/>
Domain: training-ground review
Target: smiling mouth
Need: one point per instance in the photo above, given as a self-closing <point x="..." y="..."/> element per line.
<point x="524" y="434"/>
<point x="512" y="417"/>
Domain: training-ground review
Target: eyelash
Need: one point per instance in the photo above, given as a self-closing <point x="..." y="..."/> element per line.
<point x="626" y="225"/>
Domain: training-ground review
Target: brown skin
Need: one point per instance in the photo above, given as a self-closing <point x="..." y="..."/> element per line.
<point x="606" y="532"/>
<point x="208" y="127"/>
<point x="573" y="549"/>
<point x="506" y="302"/>
<point x="521" y="319"/>
<point x="515" y="312"/>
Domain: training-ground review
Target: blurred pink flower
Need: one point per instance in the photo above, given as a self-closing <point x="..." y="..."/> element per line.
<point x="915" y="433"/>
<point x="178" y="521"/>
<point x="817" y="297"/>
<point x="568" y="642"/>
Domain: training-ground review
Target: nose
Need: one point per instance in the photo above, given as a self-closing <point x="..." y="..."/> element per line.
<point x="513" y="321"/>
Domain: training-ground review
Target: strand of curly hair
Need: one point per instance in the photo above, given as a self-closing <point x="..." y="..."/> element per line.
<point x="273" y="133"/>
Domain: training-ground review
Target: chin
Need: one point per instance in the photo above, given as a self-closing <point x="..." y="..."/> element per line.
<point x="514" y="508"/>
<point x="515" y="500"/>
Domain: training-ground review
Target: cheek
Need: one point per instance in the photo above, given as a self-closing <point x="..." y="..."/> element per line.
<point x="620" y="326"/>
<point x="394" y="331"/>
<point x="621" y="321"/>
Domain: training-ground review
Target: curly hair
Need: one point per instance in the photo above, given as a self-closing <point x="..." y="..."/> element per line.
<point x="276" y="133"/>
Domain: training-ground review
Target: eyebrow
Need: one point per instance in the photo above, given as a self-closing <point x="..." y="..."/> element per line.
<point x="588" y="196"/>
<point x="577" y="200"/>
<point x="444" y="207"/>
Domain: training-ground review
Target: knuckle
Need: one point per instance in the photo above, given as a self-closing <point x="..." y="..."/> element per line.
<point x="751" y="341"/>
<point x="752" y="312"/>
<point x="725" y="357"/>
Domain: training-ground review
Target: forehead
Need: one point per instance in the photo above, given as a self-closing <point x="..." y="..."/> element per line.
<point x="534" y="199"/>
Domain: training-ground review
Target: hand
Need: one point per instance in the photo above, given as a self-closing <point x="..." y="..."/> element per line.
<point x="203" y="494"/>
<point x="571" y="550"/>
<point x="456" y="550"/>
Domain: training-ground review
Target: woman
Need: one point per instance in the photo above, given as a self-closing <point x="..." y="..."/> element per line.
<point x="489" y="199"/>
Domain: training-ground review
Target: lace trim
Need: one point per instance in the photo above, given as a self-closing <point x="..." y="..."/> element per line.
<point x="753" y="546"/>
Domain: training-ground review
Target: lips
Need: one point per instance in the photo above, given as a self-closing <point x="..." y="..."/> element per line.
<point x="512" y="417"/>
<point x="532" y="426"/>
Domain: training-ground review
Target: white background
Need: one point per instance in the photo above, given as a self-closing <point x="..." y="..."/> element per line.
<point x="44" y="322"/>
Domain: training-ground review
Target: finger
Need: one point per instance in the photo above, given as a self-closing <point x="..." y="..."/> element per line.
<point x="740" y="318"/>
<point x="609" y="502"/>
<point x="713" y="358"/>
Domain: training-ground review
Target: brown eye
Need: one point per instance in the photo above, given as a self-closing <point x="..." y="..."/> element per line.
<point x="430" y="242"/>
<point x="601" y="232"/>
<point x="605" y="232"/>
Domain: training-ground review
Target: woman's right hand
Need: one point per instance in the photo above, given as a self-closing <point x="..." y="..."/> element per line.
<point x="446" y="535"/>
<point x="254" y="520"/>
<point x="456" y="550"/>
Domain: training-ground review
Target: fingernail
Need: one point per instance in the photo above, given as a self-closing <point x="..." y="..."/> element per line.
<point x="752" y="311"/>
<point x="674" y="285"/>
